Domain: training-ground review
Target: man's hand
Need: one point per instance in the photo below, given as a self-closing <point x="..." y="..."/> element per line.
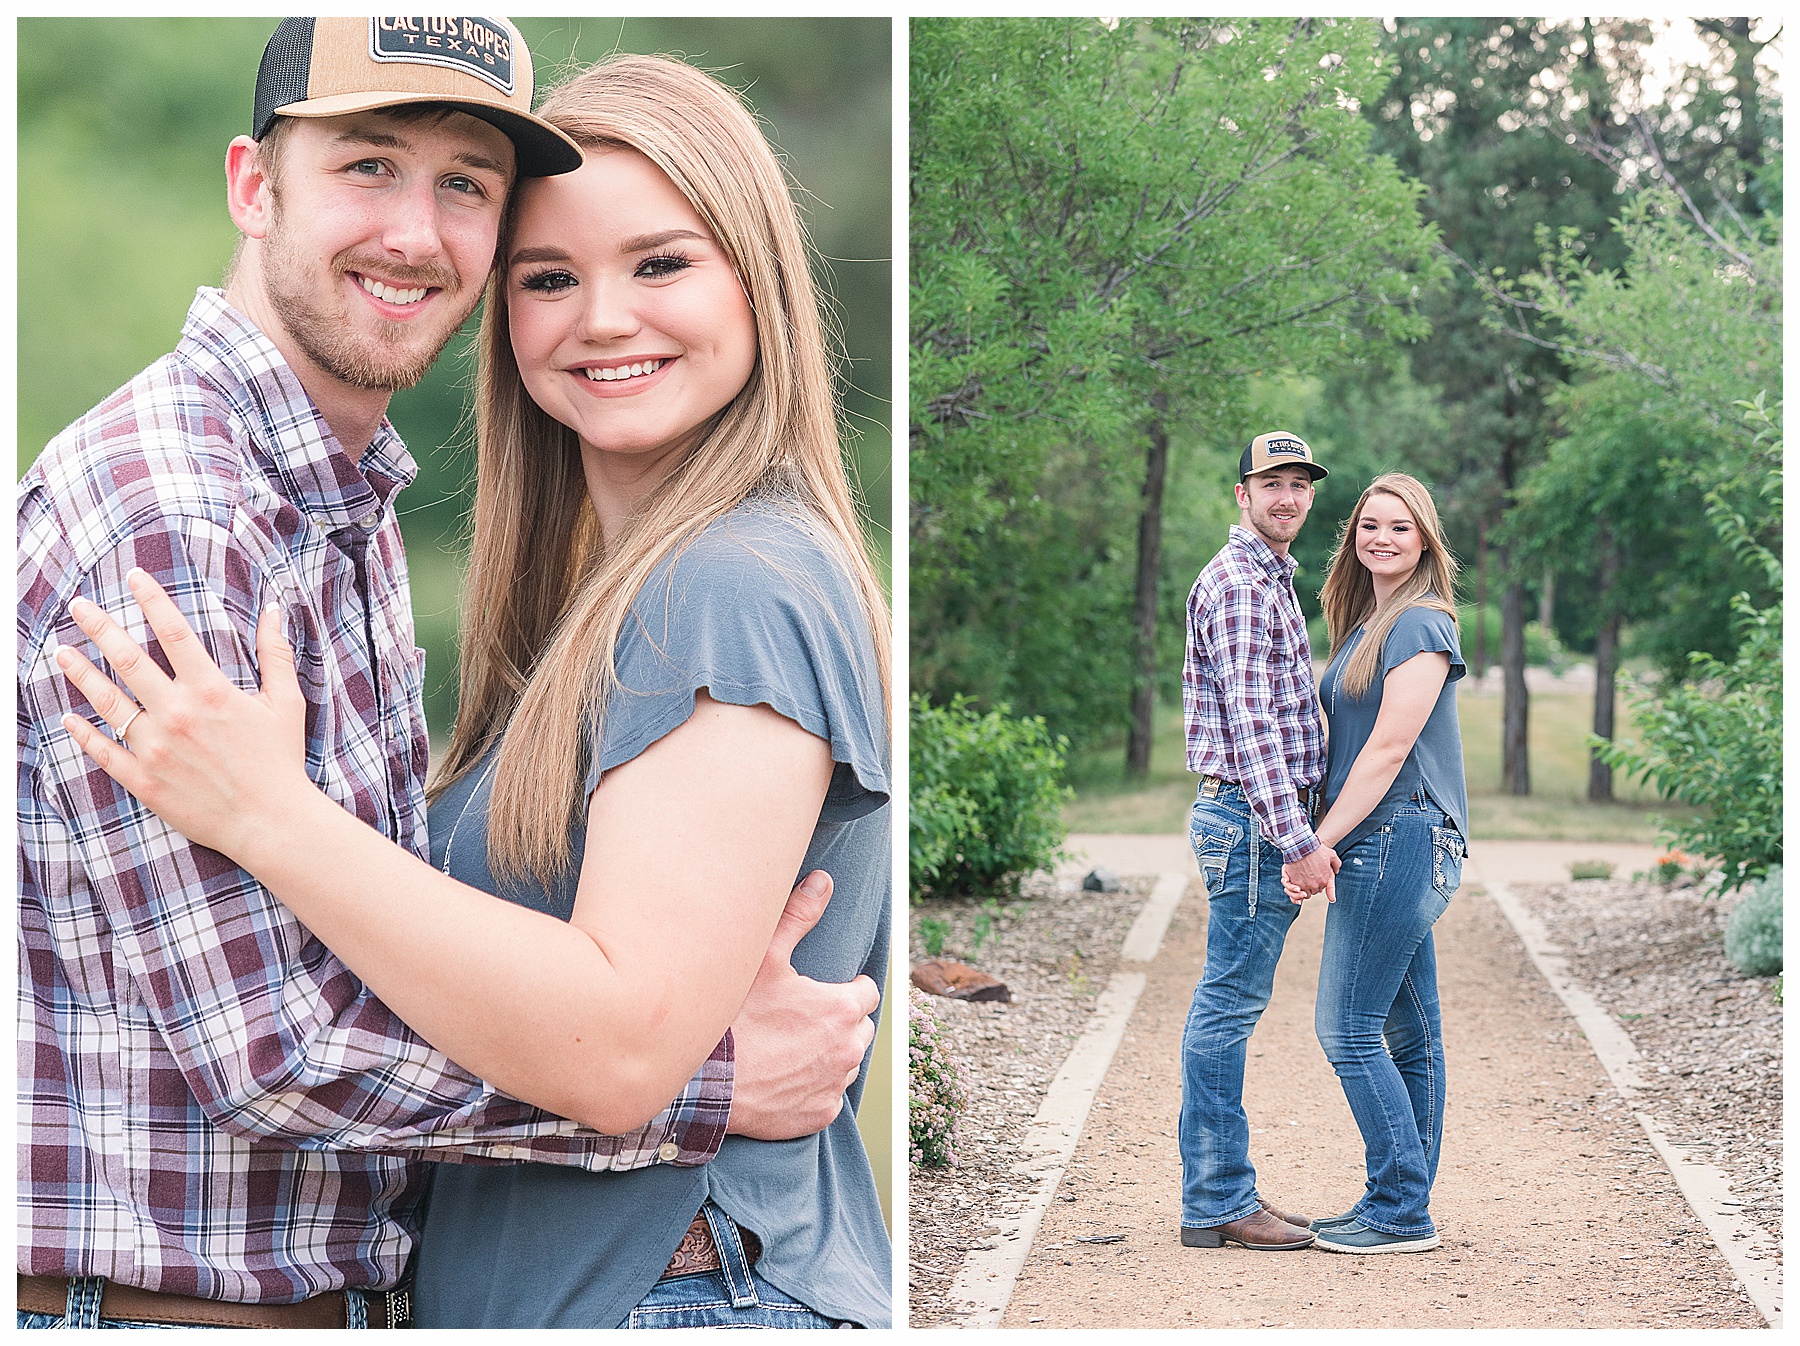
<point x="1312" y="875"/>
<point x="799" y="1042"/>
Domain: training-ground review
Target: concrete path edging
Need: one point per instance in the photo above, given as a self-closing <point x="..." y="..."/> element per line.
<point x="1748" y="1250"/>
<point x="984" y="1286"/>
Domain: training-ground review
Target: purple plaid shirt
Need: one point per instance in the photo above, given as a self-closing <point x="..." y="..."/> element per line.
<point x="210" y="1102"/>
<point x="1247" y="691"/>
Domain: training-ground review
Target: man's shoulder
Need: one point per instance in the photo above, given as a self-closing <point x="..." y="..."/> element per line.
<point x="166" y="444"/>
<point x="1231" y="571"/>
<point x="163" y="453"/>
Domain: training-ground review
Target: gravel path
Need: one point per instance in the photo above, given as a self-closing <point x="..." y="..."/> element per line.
<point x="1654" y="957"/>
<point x="1553" y="1208"/>
<point x="1055" y="948"/>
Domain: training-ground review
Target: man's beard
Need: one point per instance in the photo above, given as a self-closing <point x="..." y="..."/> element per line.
<point x="1273" y="529"/>
<point x="328" y="340"/>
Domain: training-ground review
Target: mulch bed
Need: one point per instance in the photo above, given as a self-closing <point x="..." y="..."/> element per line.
<point x="1055" y="947"/>
<point x="1654" y="957"/>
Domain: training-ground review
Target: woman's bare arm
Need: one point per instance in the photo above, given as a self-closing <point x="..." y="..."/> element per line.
<point x="600" y="1019"/>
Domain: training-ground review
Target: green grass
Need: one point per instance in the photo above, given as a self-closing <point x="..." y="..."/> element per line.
<point x="1556" y="810"/>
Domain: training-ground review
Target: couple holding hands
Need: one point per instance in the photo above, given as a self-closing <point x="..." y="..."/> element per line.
<point x="264" y="974"/>
<point x="1351" y="788"/>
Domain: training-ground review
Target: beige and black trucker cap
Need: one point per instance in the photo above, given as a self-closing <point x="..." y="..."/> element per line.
<point x="325" y="67"/>
<point x="1278" y="448"/>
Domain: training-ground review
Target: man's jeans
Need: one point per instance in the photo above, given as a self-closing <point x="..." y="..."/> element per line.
<point x="1247" y="921"/>
<point x="1377" y="1013"/>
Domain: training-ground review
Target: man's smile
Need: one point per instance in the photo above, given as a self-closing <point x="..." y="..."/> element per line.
<point x="392" y="294"/>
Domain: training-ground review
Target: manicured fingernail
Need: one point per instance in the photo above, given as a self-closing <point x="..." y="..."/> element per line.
<point x="135" y="573"/>
<point x="271" y="607"/>
<point x="64" y="656"/>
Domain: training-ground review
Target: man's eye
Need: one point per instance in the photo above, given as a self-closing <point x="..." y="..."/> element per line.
<point x="465" y="185"/>
<point x="547" y="282"/>
<point x="368" y="167"/>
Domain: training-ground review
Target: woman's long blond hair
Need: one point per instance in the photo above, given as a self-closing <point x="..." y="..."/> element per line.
<point x="1348" y="596"/>
<point x="545" y="596"/>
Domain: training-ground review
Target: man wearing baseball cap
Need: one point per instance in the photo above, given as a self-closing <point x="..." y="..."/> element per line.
<point x="1256" y="740"/>
<point x="220" y="1125"/>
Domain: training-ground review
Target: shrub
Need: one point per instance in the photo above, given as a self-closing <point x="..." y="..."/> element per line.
<point x="1590" y="869"/>
<point x="1715" y="743"/>
<point x="938" y="1089"/>
<point x="1753" y="934"/>
<point x="987" y="797"/>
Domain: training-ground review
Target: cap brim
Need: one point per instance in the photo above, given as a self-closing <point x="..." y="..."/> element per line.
<point x="1313" y="470"/>
<point x="542" y="151"/>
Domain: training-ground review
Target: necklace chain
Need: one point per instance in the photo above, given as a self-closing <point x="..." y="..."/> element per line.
<point x="462" y="813"/>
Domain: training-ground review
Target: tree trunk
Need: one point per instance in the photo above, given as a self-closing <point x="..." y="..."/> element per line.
<point x="1606" y="667"/>
<point x="1515" y="746"/>
<point x="1149" y="567"/>
<point x="1515" y="765"/>
<point x="1481" y="550"/>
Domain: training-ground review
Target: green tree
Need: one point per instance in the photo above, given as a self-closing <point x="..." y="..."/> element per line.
<point x="1114" y="226"/>
<point x="1693" y="317"/>
<point x="1482" y="111"/>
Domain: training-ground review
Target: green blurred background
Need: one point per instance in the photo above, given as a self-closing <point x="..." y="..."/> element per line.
<point x="123" y="125"/>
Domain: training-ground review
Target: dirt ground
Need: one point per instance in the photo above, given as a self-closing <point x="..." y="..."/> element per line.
<point x="1553" y="1209"/>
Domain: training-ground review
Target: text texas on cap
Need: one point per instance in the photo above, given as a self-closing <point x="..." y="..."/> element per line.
<point x="328" y="66"/>
<point x="1278" y="448"/>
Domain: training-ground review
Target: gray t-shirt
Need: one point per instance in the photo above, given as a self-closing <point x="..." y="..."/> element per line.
<point x="1435" y="763"/>
<point x="758" y="610"/>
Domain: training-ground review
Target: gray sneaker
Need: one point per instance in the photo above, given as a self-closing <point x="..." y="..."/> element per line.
<point x="1356" y="1237"/>
<point x="1329" y="1221"/>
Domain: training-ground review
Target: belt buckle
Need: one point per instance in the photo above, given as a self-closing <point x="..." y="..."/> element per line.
<point x="1209" y="787"/>
<point x="399" y="1308"/>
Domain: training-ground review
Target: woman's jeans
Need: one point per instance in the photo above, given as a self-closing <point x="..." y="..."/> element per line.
<point x="1247" y="921"/>
<point x="1377" y="1013"/>
<point x="732" y="1296"/>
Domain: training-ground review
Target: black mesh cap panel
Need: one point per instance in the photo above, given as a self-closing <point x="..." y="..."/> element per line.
<point x="281" y="79"/>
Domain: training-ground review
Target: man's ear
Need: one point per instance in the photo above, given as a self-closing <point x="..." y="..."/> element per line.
<point x="1243" y="496"/>
<point x="248" y="194"/>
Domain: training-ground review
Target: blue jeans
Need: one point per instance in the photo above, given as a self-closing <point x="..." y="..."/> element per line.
<point x="1377" y="1015"/>
<point x="732" y="1296"/>
<point x="1247" y="921"/>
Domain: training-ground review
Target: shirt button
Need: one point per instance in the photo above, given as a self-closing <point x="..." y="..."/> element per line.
<point x="368" y="521"/>
<point x="667" y="1151"/>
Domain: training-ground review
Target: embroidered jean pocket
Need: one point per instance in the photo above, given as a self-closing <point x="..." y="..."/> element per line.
<point x="1447" y="851"/>
<point x="1213" y="842"/>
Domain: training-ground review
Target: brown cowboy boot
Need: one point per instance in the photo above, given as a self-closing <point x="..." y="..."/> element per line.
<point x="1280" y="1214"/>
<point x="1260" y="1231"/>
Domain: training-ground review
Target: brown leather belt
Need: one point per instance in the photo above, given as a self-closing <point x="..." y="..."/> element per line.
<point x="698" y="1251"/>
<point x="127" y="1303"/>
